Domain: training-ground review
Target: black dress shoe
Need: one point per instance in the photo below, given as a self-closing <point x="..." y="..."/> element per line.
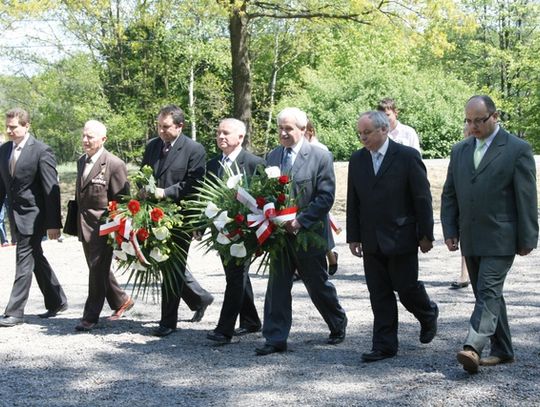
<point x="332" y="268"/>
<point x="338" y="337"/>
<point x="375" y="355"/>
<point x="162" y="331"/>
<point x="218" y="337"/>
<point x="53" y="312"/>
<point x="85" y="326"/>
<point x="268" y="349"/>
<point x="199" y="314"/>
<point x="456" y="285"/>
<point x="428" y="331"/>
<point x="244" y="331"/>
<point x="8" y="322"/>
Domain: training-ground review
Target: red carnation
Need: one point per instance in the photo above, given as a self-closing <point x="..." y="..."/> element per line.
<point x="281" y="198"/>
<point x="134" y="206"/>
<point x="239" y="218"/>
<point x="142" y="234"/>
<point x="113" y="206"/>
<point x="260" y="201"/>
<point x="284" y="179"/>
<point x="156" y="214"/>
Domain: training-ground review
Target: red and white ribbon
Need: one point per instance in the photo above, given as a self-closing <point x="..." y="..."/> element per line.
<point x="266" y="218"/>
<point x="122" y="225"/>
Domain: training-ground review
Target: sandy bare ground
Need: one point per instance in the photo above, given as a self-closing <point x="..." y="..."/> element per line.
<point x="46" y="363"/>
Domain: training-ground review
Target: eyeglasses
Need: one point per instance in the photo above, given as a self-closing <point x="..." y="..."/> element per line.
<point x="477" y="122"/>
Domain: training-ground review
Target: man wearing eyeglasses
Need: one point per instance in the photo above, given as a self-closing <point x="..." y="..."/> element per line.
<point x="489" y="205"/>
<point x="390" y="216"/>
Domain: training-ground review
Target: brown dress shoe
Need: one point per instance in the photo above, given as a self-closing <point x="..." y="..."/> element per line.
<point x="469" y="359"/>
<point x="495" y="360"/>
<point x="126" y="306"/>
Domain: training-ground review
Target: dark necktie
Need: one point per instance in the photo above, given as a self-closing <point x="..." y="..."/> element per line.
<point x="163" y="156"/>
<point x="286" y="162"/>
<point x="165" y="150"/>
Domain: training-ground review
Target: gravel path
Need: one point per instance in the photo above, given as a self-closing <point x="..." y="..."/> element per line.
<point x="46" y="363"/>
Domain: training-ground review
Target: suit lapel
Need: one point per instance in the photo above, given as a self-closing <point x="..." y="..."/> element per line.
<point x="301" y="158"/>
<point x="387" y="160"/>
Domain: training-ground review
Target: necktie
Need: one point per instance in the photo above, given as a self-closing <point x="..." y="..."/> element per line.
<point x="13" y="160"/>
<point x="225" y="162"/>
<point x="377" y="160"/>
<point x="478" y="153"/>
<point x="165" y="150"/>
<point x="87" y="168"/>
<point x="286" y="163"/>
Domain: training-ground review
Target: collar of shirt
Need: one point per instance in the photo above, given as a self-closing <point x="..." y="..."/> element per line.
<point x="383" y="149"/>
<point x="96" y="156"/>
<point x="175" y="140"/>
<point x="295" y="150"/>
<point x="22" y="143"/>
<point x="233" y="156"/>
<point x="490" y="138"/>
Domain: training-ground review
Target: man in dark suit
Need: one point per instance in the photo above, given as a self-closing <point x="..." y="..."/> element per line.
<point x="489" y="205"/>
<point x="179" y="164"/>
<point x="101" y="177"/>
<point x="312" y="173"/>
<point x="29" y="179"/>
<point x="238" y="297"/>
<point x="389" y="215"/>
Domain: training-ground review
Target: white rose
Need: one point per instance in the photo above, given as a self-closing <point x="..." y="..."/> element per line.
<point x="273" y="172"/>
<point x="161" y="233"/>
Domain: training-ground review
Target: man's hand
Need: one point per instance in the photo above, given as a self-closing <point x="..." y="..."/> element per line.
<point x="356" y="249"/>
<point x="53" y="234"/>
<point x="452" y="243"/>
<point x="524" y="251"/>
<point x="160" y="193"/>
<point x="425" y="245"/>
<point x="292" y="226"/>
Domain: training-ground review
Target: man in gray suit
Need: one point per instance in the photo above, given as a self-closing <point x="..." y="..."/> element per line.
<point x="29" y="179"/>
<point x="312" y="173"/>
<point x="489" y="205"/>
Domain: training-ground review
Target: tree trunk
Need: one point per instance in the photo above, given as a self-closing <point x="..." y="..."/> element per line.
<point x="192" y="102"/>
<point x="241" y="69"/>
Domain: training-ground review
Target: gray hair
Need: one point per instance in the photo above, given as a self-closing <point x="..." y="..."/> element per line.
<point x="96" y="128"/>
<point x="300" y="117"/>
<point x="238" y="124"/>
<point x="378" y="118"/>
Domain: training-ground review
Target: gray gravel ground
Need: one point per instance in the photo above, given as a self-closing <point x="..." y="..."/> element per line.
<point x="46" y="363"/>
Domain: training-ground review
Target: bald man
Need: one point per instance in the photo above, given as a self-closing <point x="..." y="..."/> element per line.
<point x="101" y="177"/>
